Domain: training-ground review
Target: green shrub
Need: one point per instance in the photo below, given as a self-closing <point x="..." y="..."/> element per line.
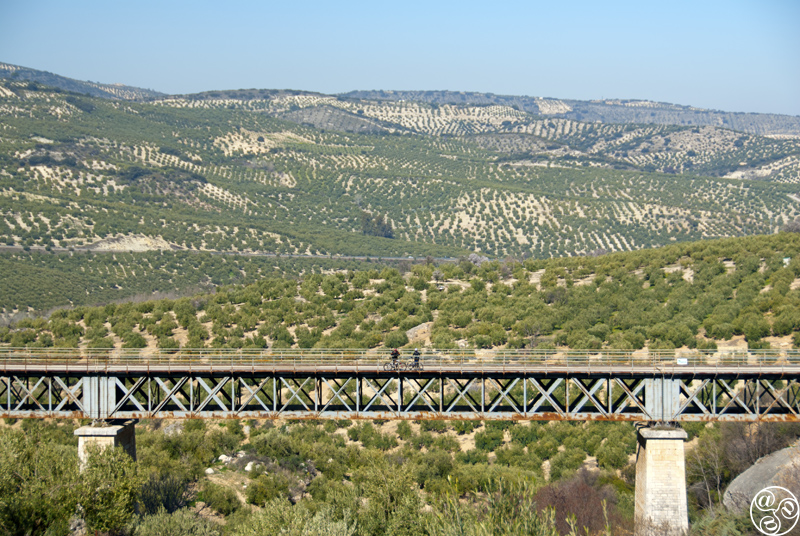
<point x="224" y="442"/>
<point x="219" y="498"/>
<point x="234" y="428"/>
<point x="465" y="427"/>
<point x="545" y="448"/>
<point x="180" y="523"/>
<point x="330" y="427"/>
<point x="565" y="462"/>
<point x="488" y="440"/>
<point x="424" y="439"/>
<point x="404" y="431"/>
<point x="471" y="457"/>
<point x="272" y="444"/>
<point x="433" y="426"/>
<point x="433" y="465"/>
<point x="111" y="486"/>
<point x="395" y="339"/>
<point x="514" y="455"/>
<point x="163" y="493"/>
<point x="447" y="442"/>
<point x="354" y="432"/>
<point x="611" y="456"/>
<point x="264" y="488"/>
<point x="194" y="425"/>
<point x="499" y="425"/>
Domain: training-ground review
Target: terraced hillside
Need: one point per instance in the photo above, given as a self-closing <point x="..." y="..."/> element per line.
<point x="80" y="171"/>
<point x="604" y="111"/>
<point x="297" y="173"/>
<point x="732" y="293"/>
<point x="95" y="89"/>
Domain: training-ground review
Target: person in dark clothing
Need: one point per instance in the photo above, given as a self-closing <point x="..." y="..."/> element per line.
<point x="416" y="356"/>
<point x="395" y="355"/>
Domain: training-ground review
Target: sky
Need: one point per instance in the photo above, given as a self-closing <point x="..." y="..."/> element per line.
<point x="734" y="55"/>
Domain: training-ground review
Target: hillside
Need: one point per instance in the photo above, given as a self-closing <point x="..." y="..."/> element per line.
<point x="621" y="111"/>
<point x="733" y="293"/>
<point x="244" y="181"/>
<point x="603" y="111"/>
<point x="271" y="172"/>
<point x="95" y="89"/>
<point x="236" y="477"/>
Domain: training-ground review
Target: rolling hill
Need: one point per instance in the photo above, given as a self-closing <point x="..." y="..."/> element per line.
<point x="277" y="172"/>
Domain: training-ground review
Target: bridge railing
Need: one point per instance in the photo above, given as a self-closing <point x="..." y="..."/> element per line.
<point x="376" y="358"/>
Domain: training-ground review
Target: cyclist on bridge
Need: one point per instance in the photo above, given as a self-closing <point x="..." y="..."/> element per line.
<point x="395" y="355"/>
<point x="416" y="356"/>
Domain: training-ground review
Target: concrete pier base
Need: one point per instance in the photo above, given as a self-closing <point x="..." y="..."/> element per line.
<point x="661" y="507"/>
<point x="112" y="435"/>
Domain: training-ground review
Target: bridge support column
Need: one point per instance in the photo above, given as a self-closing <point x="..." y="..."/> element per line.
<point x="111" y="435"/>
<point x="662" y="398"/>
<point x="99" y="396"/>
<point x="661" y="506"/>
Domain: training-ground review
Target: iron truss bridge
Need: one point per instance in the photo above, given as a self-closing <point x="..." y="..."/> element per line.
<point x="363" y="384"/>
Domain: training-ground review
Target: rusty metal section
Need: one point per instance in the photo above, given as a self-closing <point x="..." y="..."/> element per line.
<point x="418" y="395"/>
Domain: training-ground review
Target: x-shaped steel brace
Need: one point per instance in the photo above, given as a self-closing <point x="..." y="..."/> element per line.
<point x="4" y="387"/>
<point x="504" y="394"/>
<point x="337" y="394"/>
<point x="629" y="396"/>
<point x="253" y="395"/>
<point x="778" y="397"/>
<point x="213" y="394"/>
<point x="693" y="397"/>
<point x="170" y="393"/>
<point x="734" y="397"/>
<point x="70" y="395"/>
<point x="295" y="394"/>
<point x="421" y="392"/>
<point x="588" y="394"/>
<point x="379" y="393"/>
<point x="128" y="394"/>
<point x="28" y="393"/>
<point x="463" y="394"/>
<point x="546" y="395"/>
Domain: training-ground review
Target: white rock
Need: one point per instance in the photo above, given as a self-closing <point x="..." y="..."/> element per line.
<point x="240" y="454"/>
<point x="209" y="471"/>
<point x="224" y="459"/>
<point x="249" y="466"/>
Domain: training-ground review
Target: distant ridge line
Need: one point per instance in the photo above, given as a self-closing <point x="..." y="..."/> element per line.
<point x="619" y="111"/>
<point x="94" y="89"/>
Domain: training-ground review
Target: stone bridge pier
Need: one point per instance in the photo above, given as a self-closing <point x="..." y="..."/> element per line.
<point x="661" y="505"/>
<point x="99" y="401"/>
<point x="106" y="434"/>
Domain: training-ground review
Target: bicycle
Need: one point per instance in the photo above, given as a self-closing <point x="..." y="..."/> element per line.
<point x="414" y="366"/>
<point x="394" y="366"/>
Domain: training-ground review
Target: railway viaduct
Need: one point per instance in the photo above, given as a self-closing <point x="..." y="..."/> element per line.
<point x="658" y="390"/>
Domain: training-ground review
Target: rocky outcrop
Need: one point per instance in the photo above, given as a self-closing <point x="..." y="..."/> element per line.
<point x="781" y="468"/>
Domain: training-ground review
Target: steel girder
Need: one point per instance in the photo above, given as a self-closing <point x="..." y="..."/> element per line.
<point x="411" y="395"/>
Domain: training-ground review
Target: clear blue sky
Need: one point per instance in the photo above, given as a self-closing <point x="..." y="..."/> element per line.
<point x="737" y="55"/>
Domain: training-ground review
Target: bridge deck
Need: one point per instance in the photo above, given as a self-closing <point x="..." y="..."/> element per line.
<point x="637" y="386"/>
<point x="427" y="370"/>
<point x="682" y="362"/>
